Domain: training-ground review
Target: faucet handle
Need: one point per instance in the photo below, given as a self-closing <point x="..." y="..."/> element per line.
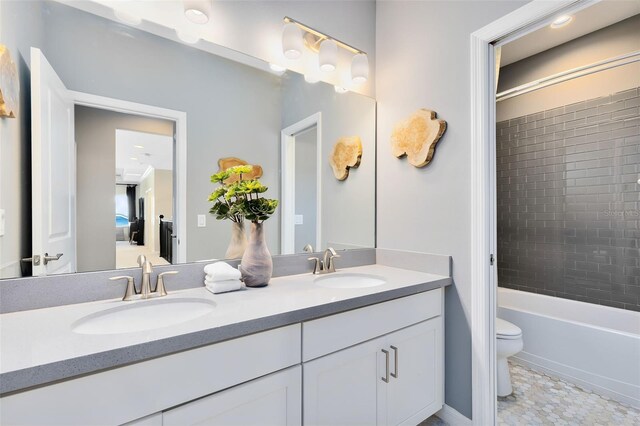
<point x="131" y="286"/>
<point x="316" y="266"/>
<point x="160" y="290"/>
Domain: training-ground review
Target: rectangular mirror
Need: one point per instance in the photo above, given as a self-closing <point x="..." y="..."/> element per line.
<point x="118" y="129"/>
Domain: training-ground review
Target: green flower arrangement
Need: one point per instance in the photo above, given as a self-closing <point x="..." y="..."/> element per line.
<point x="240" y="199"/>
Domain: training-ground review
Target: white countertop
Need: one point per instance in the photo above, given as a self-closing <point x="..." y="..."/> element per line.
<point x="31" y="340"/>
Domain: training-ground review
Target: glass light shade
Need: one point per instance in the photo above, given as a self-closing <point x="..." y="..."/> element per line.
<point x="360" y="68"/>
<point x="328" y="55"/>
<point x="292" y="43"/>
<point x="197" y="11"/>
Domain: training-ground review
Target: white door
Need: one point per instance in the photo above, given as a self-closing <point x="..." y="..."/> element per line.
<point x="53" y="170"/>
<point x="342" y="388"/>
<point x="272" y="400"/>
<point x="415" y="390"/>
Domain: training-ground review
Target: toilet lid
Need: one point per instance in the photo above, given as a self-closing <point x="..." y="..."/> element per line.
<point x="506" y="330"/>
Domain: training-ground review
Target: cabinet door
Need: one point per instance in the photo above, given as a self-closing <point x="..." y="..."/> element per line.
<point x="417" y="391"/>
<point x="272" y="400"/>
<point x="341" y="388"/>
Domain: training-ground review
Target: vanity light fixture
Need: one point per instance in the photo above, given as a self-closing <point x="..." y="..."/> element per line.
<point x="360" y="68"/>
<point x="296" y="35"/>
<point x="561" y="21"/>
<point x="328" y="55"/>
<point x="197" y="11"/>
<point x="292" y="41"/>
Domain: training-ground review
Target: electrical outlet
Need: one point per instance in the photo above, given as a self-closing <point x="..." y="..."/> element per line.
<point x="202" y="221"/>
<point x="298" y="219"/>
<point x="2" y="218"/>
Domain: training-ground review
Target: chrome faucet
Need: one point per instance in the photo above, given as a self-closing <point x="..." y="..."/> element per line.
<point x="131" y="292"/>
<point x="327" y="264"/>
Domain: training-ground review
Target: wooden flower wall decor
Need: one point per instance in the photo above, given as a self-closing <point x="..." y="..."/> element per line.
<point x="9" y="88"/>
<point x="417" y="137"/>
<point x="346" y="154"/>
<point x="227" y="162"/>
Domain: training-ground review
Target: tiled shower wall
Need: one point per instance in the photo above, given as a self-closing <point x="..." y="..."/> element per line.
<point x="569" y="201"/>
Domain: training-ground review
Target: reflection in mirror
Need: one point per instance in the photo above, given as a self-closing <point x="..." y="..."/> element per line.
<point x="118" y="130"/>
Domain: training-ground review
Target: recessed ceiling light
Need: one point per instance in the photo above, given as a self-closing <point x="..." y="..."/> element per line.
<point x="133" y="158"/>
<point x="277" y="69"/>
<point x="340" y="89"/>
<point x="187" y="37"/>
<point x="561" y="21"/>
<point x="197" y="11"/>
<point x="138" y="146"/>
<point x="311" y="78"/>
<point x="127" y="18"/>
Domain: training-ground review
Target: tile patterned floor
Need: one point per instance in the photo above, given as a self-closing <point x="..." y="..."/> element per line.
<point x="539" y="399"/>
<point x="433" y="421"/>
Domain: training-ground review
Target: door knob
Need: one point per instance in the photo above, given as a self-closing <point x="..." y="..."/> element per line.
<point x="48" y="258"/>
<point x="35" y="260"/>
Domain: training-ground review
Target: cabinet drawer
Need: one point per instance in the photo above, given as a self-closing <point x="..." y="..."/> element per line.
<point x="272" y="400"/>
<point x="134" y="391"/>
<point x="335" y="332"/>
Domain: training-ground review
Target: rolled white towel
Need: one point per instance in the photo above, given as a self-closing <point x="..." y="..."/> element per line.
<point x="223" y="286"/>
<point x="221" y="271"/>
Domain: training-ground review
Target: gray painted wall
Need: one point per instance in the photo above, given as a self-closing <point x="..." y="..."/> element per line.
<point x="428" y="209"/>
<point x="15" y="137"/>
<point x="348" y="207"/>
<point x="96" y="178"/>
<point x="568" y="201"/>
<point x="306" y="188"/>
<point x="608" y="42"/>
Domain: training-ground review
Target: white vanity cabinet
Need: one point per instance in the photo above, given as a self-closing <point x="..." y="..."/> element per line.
<point x="393" y="379"/>
<point x="272" y="400"/>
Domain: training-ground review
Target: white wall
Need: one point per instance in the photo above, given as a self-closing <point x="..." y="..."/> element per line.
<point x="608" y="42"/>
<point x="422" y="49"/>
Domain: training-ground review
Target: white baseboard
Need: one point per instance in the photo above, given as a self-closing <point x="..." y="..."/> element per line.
<point x="452" y="417"/>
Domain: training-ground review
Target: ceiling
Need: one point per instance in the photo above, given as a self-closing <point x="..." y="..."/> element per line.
<point x="132" y="161"/>
<point x="585" y="21"/>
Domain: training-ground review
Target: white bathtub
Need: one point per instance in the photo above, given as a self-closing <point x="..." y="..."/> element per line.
<point x="596" y="347"/>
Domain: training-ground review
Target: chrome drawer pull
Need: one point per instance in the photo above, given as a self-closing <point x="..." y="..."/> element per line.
<point x="395" y="357"/>
<point x="386" y="354"/>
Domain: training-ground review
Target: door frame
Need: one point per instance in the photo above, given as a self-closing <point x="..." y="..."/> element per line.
<point x="180" y="120"/>
<point x="288" y="208"/>
<point x="528" y="18"/>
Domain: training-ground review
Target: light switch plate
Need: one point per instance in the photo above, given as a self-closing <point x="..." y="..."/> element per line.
<point x="299" y="219"/>
<point x="202" y="221"/>
<point x="2" y="222"/>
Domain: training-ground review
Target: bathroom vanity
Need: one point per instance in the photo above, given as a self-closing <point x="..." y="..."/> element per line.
<point x="297" y="352"/>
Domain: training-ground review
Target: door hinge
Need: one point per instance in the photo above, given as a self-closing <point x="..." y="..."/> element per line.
<point x="491" y="259"/>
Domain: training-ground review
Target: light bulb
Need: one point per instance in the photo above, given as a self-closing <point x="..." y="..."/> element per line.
<point x="292" y="41"/>
<point x="328" y="55"/>
<point x="197" y="11"/>
<point x="360" y="68"/>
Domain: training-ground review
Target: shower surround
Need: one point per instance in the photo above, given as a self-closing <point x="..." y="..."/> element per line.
<point x="568" y="198"/>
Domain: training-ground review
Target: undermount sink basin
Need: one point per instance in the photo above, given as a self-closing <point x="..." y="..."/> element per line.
<point x="143" y="315"/>
<point x="349" y="280"/>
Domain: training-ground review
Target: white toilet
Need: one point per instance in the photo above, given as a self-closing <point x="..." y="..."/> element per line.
<point x="509" y="342"/>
